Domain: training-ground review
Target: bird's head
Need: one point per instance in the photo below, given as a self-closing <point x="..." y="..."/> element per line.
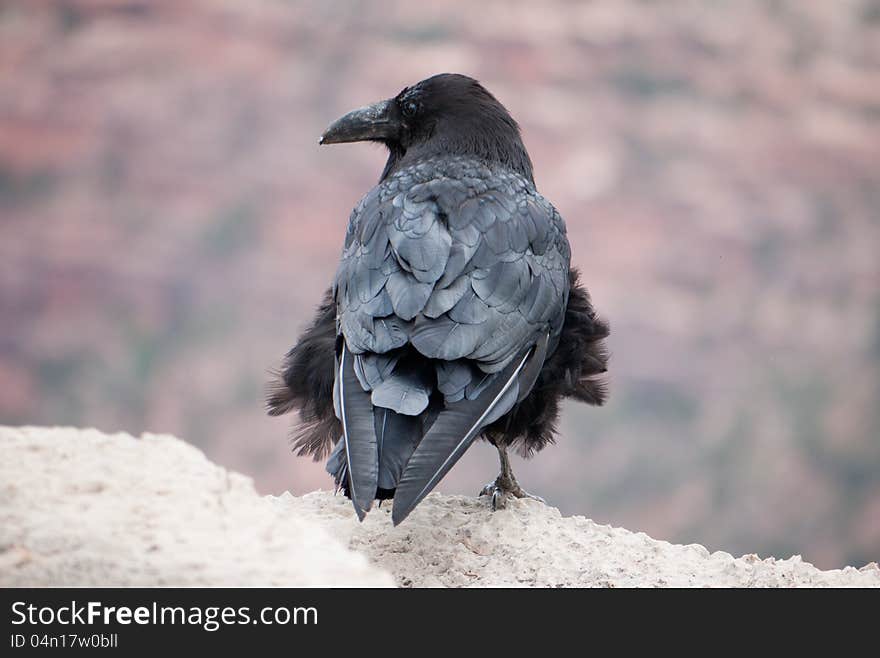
<point x="447" y="114"/>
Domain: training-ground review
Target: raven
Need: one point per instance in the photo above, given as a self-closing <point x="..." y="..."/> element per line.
<point x="454" y="313"/>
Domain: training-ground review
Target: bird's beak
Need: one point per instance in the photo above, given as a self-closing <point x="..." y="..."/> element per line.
<point x="373" y="122"/>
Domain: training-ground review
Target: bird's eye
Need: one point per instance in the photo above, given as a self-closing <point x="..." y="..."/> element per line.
<point x="409" y="109"/>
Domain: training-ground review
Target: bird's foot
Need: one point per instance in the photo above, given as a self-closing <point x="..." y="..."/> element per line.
<point x="503" y="490"/>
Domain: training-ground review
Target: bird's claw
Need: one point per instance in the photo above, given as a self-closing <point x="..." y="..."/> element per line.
<point x="501" y="494"/>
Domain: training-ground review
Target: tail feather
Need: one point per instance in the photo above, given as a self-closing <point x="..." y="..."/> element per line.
<point x="397" y="436"/>
<point x="450" y="436"/>
<point x="358" y="435"/>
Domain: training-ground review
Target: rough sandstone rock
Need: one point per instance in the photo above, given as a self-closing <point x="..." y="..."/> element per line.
<point x="83" y="508"/>
<point x="455" y="541"/>
<point x="78" y="507"/>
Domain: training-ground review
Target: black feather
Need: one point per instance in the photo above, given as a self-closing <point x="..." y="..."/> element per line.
<point x="305" y="384"/>
<point x="530" y="426"/>
<point x="397" y="436"/>
<point x="569" y="371"/>
<point x="443" y="445"/>
<point x="359" y="435"/>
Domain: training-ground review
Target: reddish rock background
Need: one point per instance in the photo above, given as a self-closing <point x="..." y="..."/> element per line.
<point x="168" y="223"/>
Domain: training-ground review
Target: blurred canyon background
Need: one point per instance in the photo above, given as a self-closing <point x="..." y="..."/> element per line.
<point x="168" y="224"/>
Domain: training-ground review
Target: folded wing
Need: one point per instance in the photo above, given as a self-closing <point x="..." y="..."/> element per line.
<point x="451" y="290"/>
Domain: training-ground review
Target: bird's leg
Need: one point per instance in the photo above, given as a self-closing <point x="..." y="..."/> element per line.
<point x="505" y="485"/>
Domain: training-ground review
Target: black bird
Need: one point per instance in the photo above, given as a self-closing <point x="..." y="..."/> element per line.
<point x="454" y="313"/>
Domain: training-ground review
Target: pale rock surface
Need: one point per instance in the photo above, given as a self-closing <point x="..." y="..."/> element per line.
<point x="455" y="541"/>
<point x="83" y="508"/>
<point x="79" y="507"/>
